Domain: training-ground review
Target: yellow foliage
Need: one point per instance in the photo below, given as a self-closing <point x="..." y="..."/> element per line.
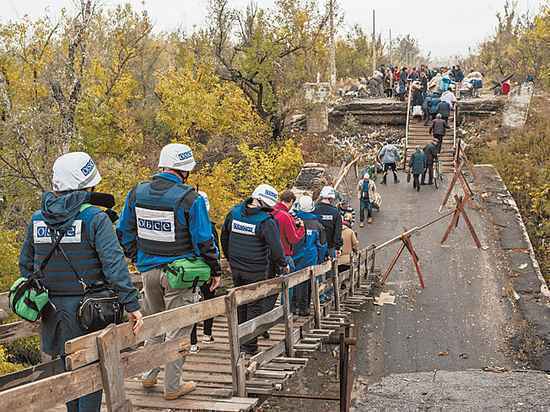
<point x="9" y="255"/>
<point x="5" y="366"/>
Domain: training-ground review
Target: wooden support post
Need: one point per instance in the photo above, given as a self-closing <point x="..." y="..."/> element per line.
<point x="112" y="372"/>
<point x="373" y="258"/>
<point x="461" y="211"/>
<point x="351" y="275"/>
<point x="289" y="323"/>
<point x="358" y="271"/>
<point x="316" y="300"/>
<point x="234" y="346"/>
<point x="336" y="284"/>
<point x="241" y="368"/>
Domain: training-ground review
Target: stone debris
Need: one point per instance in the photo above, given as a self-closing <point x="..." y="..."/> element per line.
<point x="384" y="298"/>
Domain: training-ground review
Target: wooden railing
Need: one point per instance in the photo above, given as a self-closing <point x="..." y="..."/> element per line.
<point x="102" y="360"/>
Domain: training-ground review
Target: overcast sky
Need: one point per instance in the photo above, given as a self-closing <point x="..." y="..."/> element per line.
<point x="446" y="28"/>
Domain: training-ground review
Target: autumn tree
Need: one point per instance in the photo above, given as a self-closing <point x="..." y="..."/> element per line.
<point x="269" y="53"/>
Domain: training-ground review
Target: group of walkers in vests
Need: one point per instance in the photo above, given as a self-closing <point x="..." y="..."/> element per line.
<point x="76" y="253"/>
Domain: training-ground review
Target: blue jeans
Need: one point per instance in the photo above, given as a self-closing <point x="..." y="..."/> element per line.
<point x="88" y="403"/>
<point x="364" y="204"/>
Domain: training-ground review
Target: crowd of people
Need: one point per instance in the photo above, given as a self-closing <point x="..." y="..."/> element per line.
<point x="76" y="243"/>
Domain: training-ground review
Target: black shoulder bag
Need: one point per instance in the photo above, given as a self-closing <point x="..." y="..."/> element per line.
<point x="99" y="307"/>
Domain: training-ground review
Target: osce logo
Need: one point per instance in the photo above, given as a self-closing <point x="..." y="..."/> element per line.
<point x="272" y="194"/>
<point x="88" y="168"/>
<point x="154" y="225"/>
<point x="243" y="228"/>
<point x="45" y="232"/>
<point x="185" y="155"/>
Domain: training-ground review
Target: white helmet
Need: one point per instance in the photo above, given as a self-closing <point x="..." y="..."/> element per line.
<point x="328" y="192"/>
<point x="206" y="201"/>
<point x="177" y="156"/>
<point x="74" y="171"/>
<point x="305" y="204"/>
<point x="267" y="194"/>
<point x="366" y="176"/>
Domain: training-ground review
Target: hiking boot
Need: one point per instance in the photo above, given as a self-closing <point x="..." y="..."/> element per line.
<point x="361" y="224"/>
<point x="208" y="339"/>
<point x="369" y="220"/>
<point x="182" y="390"/>
<point x="265" y="335"/>
<point x="304" y="312"/>
<point x="194" y="349"/>
<point x="148" y="383"/>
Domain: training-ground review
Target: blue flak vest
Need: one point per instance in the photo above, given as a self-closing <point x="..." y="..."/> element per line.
<point x="159" y="232"/>
<point x="245" y="244"/>
<point x="365" y="190"/>
<point x="59" y="278"/>
<point x="305" y="251"/>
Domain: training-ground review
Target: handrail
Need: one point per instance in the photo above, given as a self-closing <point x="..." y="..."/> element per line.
<point x="454" y="124"/>
<point x="407" y="127"/>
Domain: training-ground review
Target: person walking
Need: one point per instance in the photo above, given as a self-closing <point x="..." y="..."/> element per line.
<point x="351" y="243"/>
<point x="68" y="222"/>
<point x="438" y="129"/>
<point x="310" y="250"/>
<point x="389" y="157"/>
<point x="251" y="243"/>
<point x="206" y="292"/>
<point x="430" y="150"/>
<point x="365" y="192"/>
<point x="290" y="229"/>
<point x="444" y="109"/>
<point x="164" y="227"/>
<point x="417" y="166"/>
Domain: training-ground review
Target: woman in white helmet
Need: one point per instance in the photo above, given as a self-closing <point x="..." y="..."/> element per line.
<point x="165" y="224"/>
<point x="90" y="245"/>
<point x="251" y="243"/>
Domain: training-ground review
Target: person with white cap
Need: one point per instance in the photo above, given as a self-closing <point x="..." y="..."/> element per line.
<point x="70" y="222"/>
<point x="165" y="228"/>
<point x="310" y="250"/>
<point x="366" y="189"/>
<point x="331" y="219"/>
<point x="252" y="245"/>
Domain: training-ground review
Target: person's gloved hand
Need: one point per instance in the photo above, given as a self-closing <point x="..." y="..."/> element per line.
<point x="113" y="216"/>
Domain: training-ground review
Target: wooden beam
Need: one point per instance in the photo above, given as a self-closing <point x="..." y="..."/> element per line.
<point x="83" y="350"/>
<point x="260" y="324"/>
<point x="32" y="374"/>
<point x="16" y="330"/>
<point x="234" y="344"/>
<point x="298" y="277"/>
<point x="111" y="371"/>
<point x="255" y="291"/>
<point x="289" y="324"/>
<point x="40" y="396"/>
<point x="336" y="285"/>
<point x="351" y="275"/>
<point x="316" y="300"/>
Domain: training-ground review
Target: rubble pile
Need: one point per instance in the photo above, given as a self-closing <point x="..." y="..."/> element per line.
<point x="368" y="141"/>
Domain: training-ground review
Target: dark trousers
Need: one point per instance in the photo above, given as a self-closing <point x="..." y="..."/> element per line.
<point x="439" y="139"/>
<point x="416" y="183"/>
<point x="253" y="309"/>
<point x="387" y="168"/>
<point x="364" y="204"/>
<point x="301" y="296"/>
<point x="430" y="171"/>
<point x="207" y="330"/>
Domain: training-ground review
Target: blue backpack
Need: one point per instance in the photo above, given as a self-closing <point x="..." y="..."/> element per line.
<point x="365" y="190"/>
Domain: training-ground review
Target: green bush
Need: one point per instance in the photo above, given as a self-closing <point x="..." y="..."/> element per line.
<point x="24" y="351"/>
<point x="9" y="254"/>
<point x="5" y="365"/>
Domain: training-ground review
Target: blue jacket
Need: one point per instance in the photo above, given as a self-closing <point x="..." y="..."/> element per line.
<point x="312" y="249"/>
<point x="61" y="213"/>
<point x="199" y="226"/>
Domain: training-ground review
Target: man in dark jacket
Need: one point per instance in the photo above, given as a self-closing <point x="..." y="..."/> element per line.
<point x="251" y="243"/>
<point x="438" y="129"/>
<point x="90" y="245"/>
<point x="417" y="166"/>
<point x="444" y="109"/>
<point x="331" y="219"/>
<point x="430" y="150"/>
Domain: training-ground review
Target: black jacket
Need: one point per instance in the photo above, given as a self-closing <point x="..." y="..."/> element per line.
<point x="331" y="219"/>
<point x="430" y="150"/>
<point x="265" y="251"/>
<point x="438" y="127"/>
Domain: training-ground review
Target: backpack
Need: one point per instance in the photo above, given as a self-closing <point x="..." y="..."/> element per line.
<point x="365" y="190"/>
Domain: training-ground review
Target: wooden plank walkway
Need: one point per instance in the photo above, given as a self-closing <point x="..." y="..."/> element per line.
<point x="210" y="367"/>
